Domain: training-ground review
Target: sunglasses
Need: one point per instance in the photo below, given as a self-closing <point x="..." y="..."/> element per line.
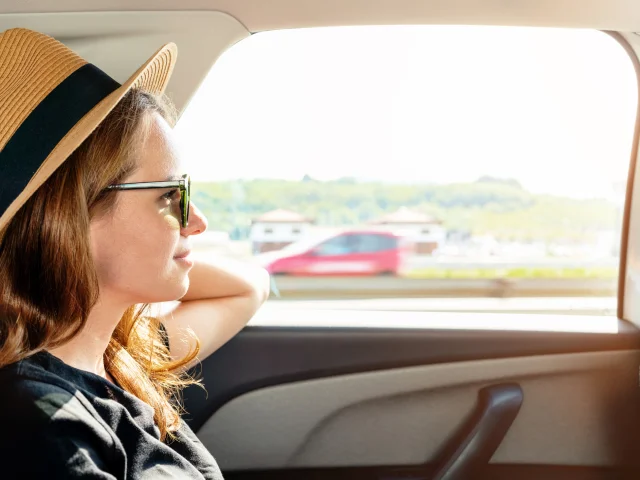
<point x="184" y="184"/>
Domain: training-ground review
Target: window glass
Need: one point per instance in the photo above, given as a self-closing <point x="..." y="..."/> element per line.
<point x="341" y="245"/>
<point x="498" y="156"/>
<point x="370" y="243"/>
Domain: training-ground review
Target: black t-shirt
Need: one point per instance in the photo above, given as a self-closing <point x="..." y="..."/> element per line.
<point x="57" y="421"/>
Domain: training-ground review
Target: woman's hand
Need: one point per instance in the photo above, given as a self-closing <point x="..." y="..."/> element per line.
<point x="223" y="296"/>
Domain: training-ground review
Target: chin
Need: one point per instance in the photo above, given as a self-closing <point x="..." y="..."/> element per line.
<point x="184" y="287"/>
<point x="176" y="289"/>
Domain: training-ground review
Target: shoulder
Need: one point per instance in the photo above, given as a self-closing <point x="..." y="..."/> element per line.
<point x="33" y="390"/>
<point x="36" y="401"/>
<point x="44" y="418"/>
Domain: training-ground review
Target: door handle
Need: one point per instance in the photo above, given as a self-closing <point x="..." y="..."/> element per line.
<point x="497" y="408"/>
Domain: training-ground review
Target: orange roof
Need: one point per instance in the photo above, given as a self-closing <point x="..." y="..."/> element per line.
<point x="282" y="216"/>
<point x="404" y="216"/>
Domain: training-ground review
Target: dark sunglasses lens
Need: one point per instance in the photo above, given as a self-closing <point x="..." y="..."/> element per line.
<point x="186" y="203"/>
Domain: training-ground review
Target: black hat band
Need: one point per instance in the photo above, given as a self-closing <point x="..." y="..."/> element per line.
<point x="47" y="125"/>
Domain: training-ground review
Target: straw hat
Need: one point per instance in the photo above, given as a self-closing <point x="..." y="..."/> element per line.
<point x="51" y="100"/>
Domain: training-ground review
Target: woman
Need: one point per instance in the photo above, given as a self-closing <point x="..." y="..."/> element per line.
<point x="95" y="220"/>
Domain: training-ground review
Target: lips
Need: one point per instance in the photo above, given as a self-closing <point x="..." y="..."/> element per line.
<point x="184" y="254"/>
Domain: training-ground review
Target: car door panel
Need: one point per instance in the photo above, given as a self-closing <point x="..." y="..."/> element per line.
<point x="405" y="416"/>
<point x="338" y="256"/>
<point x="426" y="472"/>
<point x="355" y="399"/>
<point x="379" y="251"/>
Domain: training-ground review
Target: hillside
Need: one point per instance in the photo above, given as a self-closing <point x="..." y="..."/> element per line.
<point x="488" y="206"/>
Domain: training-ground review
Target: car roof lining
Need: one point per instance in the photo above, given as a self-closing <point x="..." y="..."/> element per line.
<point x="260" y="15"/>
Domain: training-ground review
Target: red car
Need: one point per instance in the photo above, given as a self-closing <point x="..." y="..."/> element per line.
<point x="348" y="253"/>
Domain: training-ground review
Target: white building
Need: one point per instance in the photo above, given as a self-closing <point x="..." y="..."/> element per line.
<point x="424" y="231"/>
<point x="277" y="229"/>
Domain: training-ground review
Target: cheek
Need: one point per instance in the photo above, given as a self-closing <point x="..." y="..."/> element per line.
<point x="171" y="222"/>
<point x="147" y="248"/>
<point x="135" y="251"/>
<point x="104" y="251"/>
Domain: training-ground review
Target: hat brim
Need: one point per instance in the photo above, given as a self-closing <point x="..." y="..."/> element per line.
<point x="153" y="76"/>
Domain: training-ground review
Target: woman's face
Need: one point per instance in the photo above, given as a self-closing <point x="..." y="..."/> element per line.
<point x="136" y="245"/>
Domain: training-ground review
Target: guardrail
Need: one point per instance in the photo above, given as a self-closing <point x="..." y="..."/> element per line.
<point x="424" y="261"/>
<point x="290" y="287"/>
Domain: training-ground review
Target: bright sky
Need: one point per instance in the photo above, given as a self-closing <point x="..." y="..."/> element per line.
<point x="554" y="109"/>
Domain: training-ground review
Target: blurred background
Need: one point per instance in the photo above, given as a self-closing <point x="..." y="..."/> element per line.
<point x="425" y="168"/>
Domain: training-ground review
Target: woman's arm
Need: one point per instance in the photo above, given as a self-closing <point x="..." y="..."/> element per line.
<point x="222" y="297"/>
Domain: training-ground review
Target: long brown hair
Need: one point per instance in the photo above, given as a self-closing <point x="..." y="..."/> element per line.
<point x="48" y="279"/>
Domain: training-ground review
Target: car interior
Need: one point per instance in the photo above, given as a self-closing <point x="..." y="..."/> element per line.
<point x="344" y="394"/>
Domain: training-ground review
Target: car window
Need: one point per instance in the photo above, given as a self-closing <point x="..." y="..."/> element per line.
<point x="371" y="243"/>
<point x="341" y="245"/>
<point x="498" y="154"/>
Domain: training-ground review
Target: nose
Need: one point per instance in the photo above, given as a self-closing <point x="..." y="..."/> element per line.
<point x="197" y="222"/>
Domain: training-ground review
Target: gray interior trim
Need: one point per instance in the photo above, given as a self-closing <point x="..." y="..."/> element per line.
<point x="267" y="356"/>
<point x="120" y="42"/>
<point x="576" y="412"/>
<point x="622" y="15"/>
